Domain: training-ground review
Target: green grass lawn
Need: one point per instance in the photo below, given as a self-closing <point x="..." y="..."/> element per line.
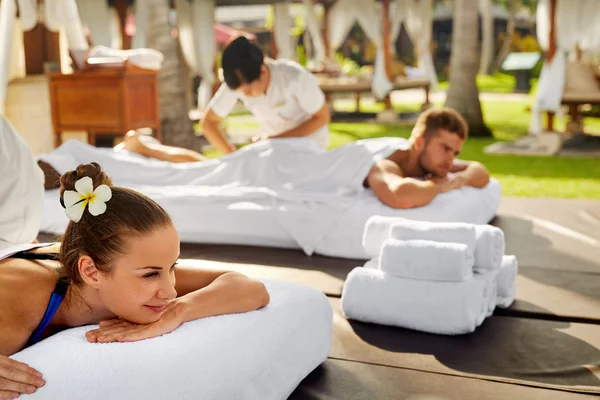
<point x="498" y="83"/>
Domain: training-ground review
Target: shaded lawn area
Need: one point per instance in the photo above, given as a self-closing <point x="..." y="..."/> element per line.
<point x="529" y="176"/>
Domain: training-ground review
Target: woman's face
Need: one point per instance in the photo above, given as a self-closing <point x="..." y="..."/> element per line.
<point x="142" y="281"/>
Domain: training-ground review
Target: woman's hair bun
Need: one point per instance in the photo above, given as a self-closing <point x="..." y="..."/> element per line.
<point x="92" y="170"/>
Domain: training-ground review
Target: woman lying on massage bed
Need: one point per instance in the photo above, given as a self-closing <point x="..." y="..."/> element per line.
<point x="116" y="265"/>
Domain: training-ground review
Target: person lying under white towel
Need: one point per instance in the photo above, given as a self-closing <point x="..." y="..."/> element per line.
<point x="116" y="266"/>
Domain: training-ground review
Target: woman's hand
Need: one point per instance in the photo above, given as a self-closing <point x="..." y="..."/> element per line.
<point x="120" y="330"/>
<point x="17" y="378"/>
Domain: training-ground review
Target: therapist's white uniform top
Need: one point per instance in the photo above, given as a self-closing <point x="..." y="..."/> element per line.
<point x="21" y="189"/>
<point x="292" y="97"/>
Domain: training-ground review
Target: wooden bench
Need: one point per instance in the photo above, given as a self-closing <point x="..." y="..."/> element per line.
<point x="582" y="86"/>
<point x="331" y="85"/>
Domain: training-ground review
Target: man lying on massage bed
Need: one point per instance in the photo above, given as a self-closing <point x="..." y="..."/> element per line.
<point x="116" y="265"/>
<point x="408" y="178"/>
<point x="413" y="177"/>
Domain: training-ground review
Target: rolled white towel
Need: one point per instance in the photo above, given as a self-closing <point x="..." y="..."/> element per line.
<point x="491" y="290"/>
<point x="506" y="281"/>
<point x="372" y="263"/>
<point x="448" y="308"/>
<point x="489" y="248"/>
<point x="426" y="260"/>
<point x="379" y="228"/>
<point x="453" y="232"/>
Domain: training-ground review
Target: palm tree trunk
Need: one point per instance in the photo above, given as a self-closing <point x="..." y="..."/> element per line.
<point x="176" y="125"/>
<point x="513" y="6"/>
<point x="463" y="94"/>
<point x="487" y="37"/>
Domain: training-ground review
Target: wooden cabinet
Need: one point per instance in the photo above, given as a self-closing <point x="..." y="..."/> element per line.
<point x="108" y="100"/>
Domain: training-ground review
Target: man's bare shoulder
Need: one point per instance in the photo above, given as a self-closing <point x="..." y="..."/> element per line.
<point x="398" y="156"/>
<point x="380" y="170"/>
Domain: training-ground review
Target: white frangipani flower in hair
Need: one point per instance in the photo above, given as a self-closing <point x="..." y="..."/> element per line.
<point x="84" y="195"/>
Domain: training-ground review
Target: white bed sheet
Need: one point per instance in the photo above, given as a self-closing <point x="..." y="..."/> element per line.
<point x="202" y="218"/>
<point x="260" y="355"/>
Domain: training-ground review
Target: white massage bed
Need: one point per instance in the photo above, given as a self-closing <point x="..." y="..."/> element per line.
<point x="332" y="225"/>
<point x="260" y="355"/>
<point x="255" y="222"/>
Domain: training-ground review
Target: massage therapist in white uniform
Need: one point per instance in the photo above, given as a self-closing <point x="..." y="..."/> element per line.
<point x="283" y="96"/>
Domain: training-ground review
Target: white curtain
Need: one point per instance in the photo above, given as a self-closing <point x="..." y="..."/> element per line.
<point x="17" y="58"/>
<point x="52" y="15"/>
<point x="8" y="16"/>
<point x="342" y="17"/>
<point x="576" y="22"/>
<point x="314" y="29"/>
<point x="65" y="13"/>
<point x="96" y="16"/>
<point x="27" y="14"/>
<point x="590" y="26"/>
<point x="195" y="23"/>
<point x="417" y="18"/>
<point x="116" y="39"/>
<point x="282" y="30"/>
<point x="141" y="23"/>
<point x="397" y="18"/>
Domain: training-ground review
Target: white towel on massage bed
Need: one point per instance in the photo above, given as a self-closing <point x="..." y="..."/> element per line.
<point x="449" y="308"/>
<point x="258" y="355"/>
<point x="206" y="211"/>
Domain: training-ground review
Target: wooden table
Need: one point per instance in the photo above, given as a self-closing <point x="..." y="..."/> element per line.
<point x="108" y="100"/>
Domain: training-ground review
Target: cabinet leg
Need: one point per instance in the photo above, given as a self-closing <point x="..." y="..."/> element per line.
<point x="92" y="138"/>
<point x="57" y="139"/>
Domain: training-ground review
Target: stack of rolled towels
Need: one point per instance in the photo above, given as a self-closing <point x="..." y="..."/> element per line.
<point x="442" y="278"/>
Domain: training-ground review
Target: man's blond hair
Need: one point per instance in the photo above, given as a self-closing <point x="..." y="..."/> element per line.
<point x="433" y="120"/>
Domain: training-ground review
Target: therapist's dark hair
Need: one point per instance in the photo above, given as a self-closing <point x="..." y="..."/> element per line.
<point x="241" y="62"/>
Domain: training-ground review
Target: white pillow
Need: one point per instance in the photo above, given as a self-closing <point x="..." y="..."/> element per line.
<point x="262" y="355"/>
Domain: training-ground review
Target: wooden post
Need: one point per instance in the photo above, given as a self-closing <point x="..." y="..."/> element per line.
<point x="274" y="50"/>
<point x="121" y="7"/>
<point x="578" y="52"/>
<point x="328" y="50"/>
<point x="387" y="57"/>
<point x="552" y="39"/>
<point x="550" y="55"/>
<point x="217" y="82"/>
